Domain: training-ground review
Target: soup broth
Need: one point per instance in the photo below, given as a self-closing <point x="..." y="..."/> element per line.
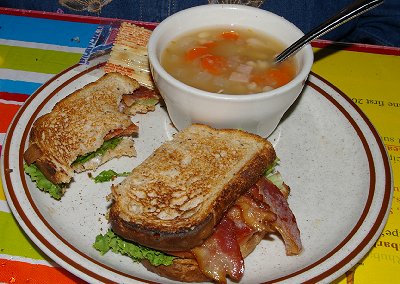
<point x="228" y="61"/>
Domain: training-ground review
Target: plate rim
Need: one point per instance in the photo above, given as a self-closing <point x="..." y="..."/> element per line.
<point x="78" y="269"/>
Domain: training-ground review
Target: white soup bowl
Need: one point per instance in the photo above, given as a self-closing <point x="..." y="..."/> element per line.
<point x="258" y="113"/>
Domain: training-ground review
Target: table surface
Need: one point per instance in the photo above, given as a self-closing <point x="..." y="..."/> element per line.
<point x="33" y="49"/>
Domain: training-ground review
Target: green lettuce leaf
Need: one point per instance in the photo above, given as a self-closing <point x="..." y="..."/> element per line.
<point x="108" y="175"/>
<point x="147" y="102"/>
<point x="110" y="241"/>
<point x="274" y="176"/>
<point x="107" y="145"/>
<point x="277" y="180"/>
<point x="270" y="170"/>
<point x="56" y="191"/>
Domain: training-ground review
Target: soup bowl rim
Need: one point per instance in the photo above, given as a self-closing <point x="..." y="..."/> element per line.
<point x="154" y="58"/>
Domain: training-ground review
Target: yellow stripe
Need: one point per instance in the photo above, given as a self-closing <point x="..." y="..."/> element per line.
<point x="2" y="196"/>
<point x="36" y="60"/>
<point x="14" y="241"/>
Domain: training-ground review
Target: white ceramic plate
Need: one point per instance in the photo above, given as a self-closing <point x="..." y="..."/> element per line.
<point x="331" y="156"/>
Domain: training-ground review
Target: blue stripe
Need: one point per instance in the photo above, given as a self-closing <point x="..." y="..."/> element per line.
<point x="19" y="87"/>
<point x="72" y="34"/>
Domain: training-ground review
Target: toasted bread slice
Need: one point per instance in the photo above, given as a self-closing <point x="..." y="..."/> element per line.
<point x="129" y="57"/>
<point x="173" y="200"/>
<point x="129" y="54"/>
<point x="182" y="269"/>
<point x="78" y="125"/>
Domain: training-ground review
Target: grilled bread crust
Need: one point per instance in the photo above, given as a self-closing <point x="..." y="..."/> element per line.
<point x="77" y="125"/>
<point x="173" y="200"/>
<point x="182" y="269"/>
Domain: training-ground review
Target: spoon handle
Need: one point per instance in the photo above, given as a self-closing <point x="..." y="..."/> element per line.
<point x="353" y="10"/>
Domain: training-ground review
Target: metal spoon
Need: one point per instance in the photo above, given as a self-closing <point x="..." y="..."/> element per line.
<point x="353" y="10"/>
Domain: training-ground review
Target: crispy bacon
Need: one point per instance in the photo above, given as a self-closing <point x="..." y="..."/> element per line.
<point x="140" y="93"/>
<point x="256" y="214"/>
<point x="286" y="221"/>
<point x="130" y="130"/>
<point x="263" y="209"/>
<point x="227" y="258"/>
<point x="243" y="231"/>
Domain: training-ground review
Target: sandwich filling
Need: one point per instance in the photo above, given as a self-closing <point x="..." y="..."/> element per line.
<point x="262" y="210"/>
<point x="90" y="160"/>
<point x="142" y="100"/>
<point x="203" y="198"/>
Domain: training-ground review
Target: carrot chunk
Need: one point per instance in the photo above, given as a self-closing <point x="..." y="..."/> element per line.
<point x="196" y="52"/>
<point x="282" y="74"/>
<point x="230" y="35"/>
<point x="210" y="44"/>
<point x="213" y="64"/>
<point x="276" y="76"/>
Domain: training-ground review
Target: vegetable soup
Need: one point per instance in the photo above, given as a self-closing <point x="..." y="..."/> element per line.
<point x="228" y="61"/>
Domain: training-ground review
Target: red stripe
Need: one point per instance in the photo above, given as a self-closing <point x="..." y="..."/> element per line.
<point x="12" y="271"/>
<point x="377" y="49"/>
<point x="7" y="114"/>
<point x="13" y="97"/>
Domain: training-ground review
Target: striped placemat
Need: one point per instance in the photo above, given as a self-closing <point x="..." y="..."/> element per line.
<point x="32" y="50"/>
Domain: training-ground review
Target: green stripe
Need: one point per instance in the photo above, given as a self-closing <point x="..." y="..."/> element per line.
<point x="36" y="60"/>
<point x="14" y="241"/>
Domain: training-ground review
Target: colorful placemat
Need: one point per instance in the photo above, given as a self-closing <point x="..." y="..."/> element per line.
<point x="33" y="49"/>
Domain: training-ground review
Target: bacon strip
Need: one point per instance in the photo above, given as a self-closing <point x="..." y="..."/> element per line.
<point x="263" y="209"/>
<point x="286" y="221"/>
<point x="255" y="213"/>
<point x="226" y="256"/>
<point x="229" y="243"/>
<point x="131" y="129"/>
<point x="140" y="93"/>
